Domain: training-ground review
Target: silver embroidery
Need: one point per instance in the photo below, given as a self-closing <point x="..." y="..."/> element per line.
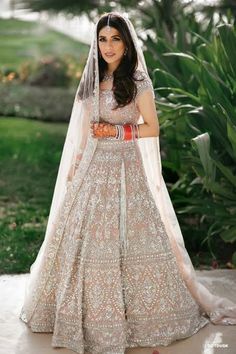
<point x="123" y="232"/>
<point x="109" y="279"/>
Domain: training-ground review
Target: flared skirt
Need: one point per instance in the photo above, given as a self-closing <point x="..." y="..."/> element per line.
<point x="115" y="282"/>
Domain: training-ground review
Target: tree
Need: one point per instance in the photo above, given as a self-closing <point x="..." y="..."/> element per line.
<point x="160" y="15"/>
<point x="73" y="7"/>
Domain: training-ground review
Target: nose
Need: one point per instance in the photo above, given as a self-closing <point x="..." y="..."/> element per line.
<point x="109" y="45"/>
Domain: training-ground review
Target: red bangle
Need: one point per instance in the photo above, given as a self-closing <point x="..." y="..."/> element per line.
<point x="127" y="132"/>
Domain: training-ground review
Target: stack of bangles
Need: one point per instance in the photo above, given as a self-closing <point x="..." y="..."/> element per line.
<point x="127" y="132"/>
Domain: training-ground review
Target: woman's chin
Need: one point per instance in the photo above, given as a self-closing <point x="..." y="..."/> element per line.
<point x="111" y="60"/>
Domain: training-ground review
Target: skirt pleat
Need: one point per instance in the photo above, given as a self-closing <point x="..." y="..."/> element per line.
<point x="115" y="282"/>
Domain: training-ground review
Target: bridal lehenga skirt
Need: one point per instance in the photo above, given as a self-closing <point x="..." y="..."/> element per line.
<point x="115" y="282"/>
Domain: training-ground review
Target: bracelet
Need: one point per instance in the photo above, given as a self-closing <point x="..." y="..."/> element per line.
<point x="128" y="129"/>
<point x="127" y="132"/>
<point x="119" y="132"/>
<point x="136" y="131"/>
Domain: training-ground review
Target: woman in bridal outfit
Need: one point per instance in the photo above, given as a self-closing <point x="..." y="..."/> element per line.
<point x="113" y="271"/>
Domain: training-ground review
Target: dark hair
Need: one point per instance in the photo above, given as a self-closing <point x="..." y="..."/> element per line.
<point x="124" y="87"/>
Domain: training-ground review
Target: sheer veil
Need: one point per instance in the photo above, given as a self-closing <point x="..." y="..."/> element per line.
<point x="79" y="141"/>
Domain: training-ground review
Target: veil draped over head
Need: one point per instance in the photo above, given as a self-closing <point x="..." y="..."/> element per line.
<point x="79" y="141"/>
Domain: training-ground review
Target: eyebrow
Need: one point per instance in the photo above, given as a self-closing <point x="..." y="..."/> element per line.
<point x="115" y="35"/>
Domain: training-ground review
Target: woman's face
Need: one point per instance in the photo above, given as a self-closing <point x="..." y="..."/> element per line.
<point x="111" y="45"/>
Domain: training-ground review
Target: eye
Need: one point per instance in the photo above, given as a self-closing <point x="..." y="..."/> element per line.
<point x="102" y="39"/>
<point x="116" y="39"/>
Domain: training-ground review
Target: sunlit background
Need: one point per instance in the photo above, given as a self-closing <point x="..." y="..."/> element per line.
<point x="190" y="49"/>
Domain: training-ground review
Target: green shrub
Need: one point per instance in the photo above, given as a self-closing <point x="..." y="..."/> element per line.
<point x="49" y="103"/>
<point x="49" y="72"/>
<point x="46" y="72"/>
<point x="197" y="100"/>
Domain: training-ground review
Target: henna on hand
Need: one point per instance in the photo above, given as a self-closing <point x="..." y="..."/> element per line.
<point x="102" y="130"/>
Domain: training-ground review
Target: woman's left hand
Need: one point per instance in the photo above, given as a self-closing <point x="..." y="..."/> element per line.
<point x="102" y="130"/>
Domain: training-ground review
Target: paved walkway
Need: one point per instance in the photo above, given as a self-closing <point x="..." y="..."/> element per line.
<point x="16" y="338"/>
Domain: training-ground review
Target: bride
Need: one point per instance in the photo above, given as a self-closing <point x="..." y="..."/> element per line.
<point x="113" y="271"/>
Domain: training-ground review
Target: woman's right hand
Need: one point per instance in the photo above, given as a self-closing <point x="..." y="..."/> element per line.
<point x="74" y="167"/>
<point x="71" y="173"/>
<point x="102" y="130"/>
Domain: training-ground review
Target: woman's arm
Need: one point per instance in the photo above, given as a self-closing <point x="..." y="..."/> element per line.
<point x="147" y="108"/>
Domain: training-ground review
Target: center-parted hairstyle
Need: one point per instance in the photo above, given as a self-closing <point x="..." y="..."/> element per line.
<point x="124" y="87"/>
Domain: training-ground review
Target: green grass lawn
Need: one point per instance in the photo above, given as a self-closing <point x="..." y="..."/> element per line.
<point x="23" y="40"/>
<point x="29" y="159"/>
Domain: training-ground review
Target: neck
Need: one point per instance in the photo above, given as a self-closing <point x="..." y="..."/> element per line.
<point x="112" y="67"/>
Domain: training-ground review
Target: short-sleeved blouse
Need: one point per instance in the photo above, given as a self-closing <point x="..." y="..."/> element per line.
<point x="128" y="114"/>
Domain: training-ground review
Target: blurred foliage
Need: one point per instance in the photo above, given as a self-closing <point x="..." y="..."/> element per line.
<point x="220" y="7"/>
<point x="23" y="41"/>
<point x="47" y="71"/>
<point x="69" y="6"/>
<point x="196" y="97"/>
<point x="30" y="153"/>
<point x="34" y="55"/>
<point x="49" y="103"/>
<point x="162" y="15"/>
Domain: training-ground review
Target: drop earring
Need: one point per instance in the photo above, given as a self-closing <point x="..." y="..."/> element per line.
<point x="126" y="50"/>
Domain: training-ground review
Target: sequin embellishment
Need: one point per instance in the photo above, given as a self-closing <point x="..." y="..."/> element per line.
<point x="114" y="283"/>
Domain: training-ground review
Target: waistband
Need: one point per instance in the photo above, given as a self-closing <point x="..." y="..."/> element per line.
<point x="114" y="143"/>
